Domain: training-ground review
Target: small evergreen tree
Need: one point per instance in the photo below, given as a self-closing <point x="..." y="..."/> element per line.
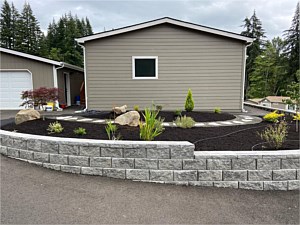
<point x="189" y="102"/>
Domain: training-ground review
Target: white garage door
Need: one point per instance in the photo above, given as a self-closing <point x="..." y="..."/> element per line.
<point x="12" y="83"/>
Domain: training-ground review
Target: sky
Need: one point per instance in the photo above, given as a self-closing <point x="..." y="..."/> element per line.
<point x="276" y="15"/>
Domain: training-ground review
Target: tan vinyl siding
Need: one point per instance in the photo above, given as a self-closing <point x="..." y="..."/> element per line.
<point x="208" y="64"/>
<point x="42" y="73"/>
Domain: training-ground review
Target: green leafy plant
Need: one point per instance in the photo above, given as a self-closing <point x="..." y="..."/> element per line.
<point x="184" y="122"/>
<point x="79" y="131"/>
<point x="177" y="112"/>
<point x="217" y="110"/>
<point x="273" y="117"/>
<point x="136" y="108"/>
<point x="189" y="102"/>
<point x="111" y="130"/>
<point x="152" y="127"/>
<point x="275" y="135"/>
<point x="55" y="127"/>
<point x="297" y="118"/>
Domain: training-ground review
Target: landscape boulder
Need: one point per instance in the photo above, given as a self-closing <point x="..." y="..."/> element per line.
<point x="130" y="118"/>
<point x="120" y="110"/>
<point x="26" y="115"/>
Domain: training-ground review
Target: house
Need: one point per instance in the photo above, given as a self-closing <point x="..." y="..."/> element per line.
<point x="158" y="61"/>
<point x="276" y="102"/>
<point x="20" y="71"/>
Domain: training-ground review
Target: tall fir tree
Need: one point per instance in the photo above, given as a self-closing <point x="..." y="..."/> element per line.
<point x="253" y="28"/>
<point x="292" y="36"/>
<point x="15" y="22"/>
<point x="5" y="26"/>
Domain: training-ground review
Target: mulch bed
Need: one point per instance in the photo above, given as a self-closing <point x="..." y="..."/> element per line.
<point x="168" y="116"/>
<point x="243" y="140"/>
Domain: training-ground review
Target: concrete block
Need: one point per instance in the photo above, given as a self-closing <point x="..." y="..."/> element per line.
<point x="293" y="185"/>
<point x="275" y="185"/>
<point x="114" y="173"/>
<point x="91" y="171"/>
<point x="20" y="143"/>
<point x="259" y="175"/>
<point x="112" y="152"/>
<point x="26" y="154"/>
<point x="13" y="152"/>
<point x="243" y="164"/>
<point x="78" y="160"/>
<point x="135" y="153"/>
<point x="41" y="157"/>
<point x="3" y="150"/>
<point x="7" y="141"/>
<point x="123" y="163"/>
<point x="226" y="184"/>
<point x="251" y="185"/>
<point x="290" y="163"/>
<point x="161" y="175"/>
<point x="35" y="163"/>
<point x="209" y="175"/>
<point x="186" y="152"/>
<point x="289" y="174"/>
<point x="49" y="147"/>
<point x="146" y="164"/>
<point x="70" y="169"/>
<point x="154" y="153"/>
<point x="185" y="175"/>
<point x="137" y="174"/>
<point x="51" y="166"/>
<point x="219" y="164"/>
<point x="194" y="164"/>
<point x="268" y="164"/>
<point x="179" y="183"/>
<point x="201" y="183"/>
<point x="104" y="162"/>
<point x="298" y="174"/>
<point x="58" y="159"/>
<point x="68" y="149"/>
<point x="89" y="151"/>
<point x="234" y="175"/>
<point x="170" y="164"/>
<point x="34" y="145"/>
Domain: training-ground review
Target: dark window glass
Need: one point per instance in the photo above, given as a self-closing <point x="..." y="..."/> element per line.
<point x="145" y="68"/>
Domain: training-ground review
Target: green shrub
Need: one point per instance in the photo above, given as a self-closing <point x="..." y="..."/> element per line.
<point x="218" y="110"/>
<point x="55" y="127"/>
<point x="79" y="131"/>
<point x="189" y="102"/>
<point x="152" y="127"/>
<point x="273" y="117"/>
<point x="177" y="112"/>
<point x="184" y="122"/>
<point x="275" y="135"/>
<point x="111" y="130"/>
<point x="136" y="108"/>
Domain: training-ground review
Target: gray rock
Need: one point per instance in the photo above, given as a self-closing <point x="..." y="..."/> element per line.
<point x="49" y="147"/>
<point x="259" y="175"/>
<point x="161" y="175"/>
<point x="293" y="185"/>
<point x="284" y="174"/>
<point x="275" y="185"/>
<point x="123" y="163"/>
<point x="186" y="152"/>
<point x="209" y="175"/>
<point x="91" y="171"/>
<point x="58" y="159"/>
<point x="3" y="150"/>
<point x="89" y="151"/>
<point x="51" y="166"/>
<point x="68" y="149"/>
<point x="146" y="163"/>
<point x="194" y="164"/>
<point x="137" y="174"/>
<point x="78" y="160"/>
<point x="219" y="164"/>
<point x="41" y="157"/>
<point x="114" y="173"/>
<point x="112" y="152"/>
<point x="162" y="153"/>
<point x="13" y="152"/>
<point x="104" y="162"/>
<point x="20" y="143"/>
<point x="201" y="183"/>
<point x="226" y="184"/>
<point x="251" y="185"/>
<point x="135" y="153"/>
<point x="70" y="169"/>
<point x="185" y="175"/>
<point x="170" y="164"/>
<point x="243" y="164"/>
<point x="35" y="145"/>
<point x="268" y="164"/>
<point x="26" y="154"/>
<point x="235" y="175"/>
<point x="290" y="163"/>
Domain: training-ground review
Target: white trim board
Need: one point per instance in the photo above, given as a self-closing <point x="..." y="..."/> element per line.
<point x="162" y="21"/>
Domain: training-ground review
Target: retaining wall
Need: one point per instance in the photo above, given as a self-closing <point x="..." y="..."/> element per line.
<point x="162" y="162"/>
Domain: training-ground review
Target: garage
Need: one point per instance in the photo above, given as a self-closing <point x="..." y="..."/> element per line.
<point x="12" y="83"/>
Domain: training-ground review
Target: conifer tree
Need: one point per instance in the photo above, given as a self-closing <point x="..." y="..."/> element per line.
<point x="5" y="26"/>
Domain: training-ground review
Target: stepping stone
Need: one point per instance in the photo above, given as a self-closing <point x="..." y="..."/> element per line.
<point x="63" y="117"/>
<point x="72" y="118"/>
<point x="82" y="120"/>
<point x="199" y="124"/>
<point x="226" y="122"/>
<point x="98" y="121"/>
<point x="238" y="122"/>
<point x="214" y="124"/>
<point x="248" y="117"/>
<point x="245" y="120"/>
<point x="166" y="124"/>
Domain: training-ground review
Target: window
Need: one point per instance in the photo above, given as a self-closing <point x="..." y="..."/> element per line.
<point x="144" y="67"/>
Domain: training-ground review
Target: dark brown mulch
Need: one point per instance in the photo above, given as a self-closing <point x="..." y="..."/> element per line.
<point x="243" y="140"/>
<point x="168" y="116"/>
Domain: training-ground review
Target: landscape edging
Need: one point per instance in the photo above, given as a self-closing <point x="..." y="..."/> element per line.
<point x="161" y="162"/>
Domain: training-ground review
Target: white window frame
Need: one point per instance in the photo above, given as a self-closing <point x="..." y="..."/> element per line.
<point x="144" y="57"/>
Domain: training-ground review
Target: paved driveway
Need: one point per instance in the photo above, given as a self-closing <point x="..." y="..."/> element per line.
<point x="35" y="195"/>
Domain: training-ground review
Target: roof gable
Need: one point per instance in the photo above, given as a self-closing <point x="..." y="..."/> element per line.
<point x="169" y="21"/>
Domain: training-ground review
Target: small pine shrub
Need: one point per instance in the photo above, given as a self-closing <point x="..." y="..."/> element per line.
<point x="111" y="130"/>
<point x="79" y="131"/>
<point x="152" y="127"/>
<point x="177" y="112"/>
<point x="275" y="135"/>
<point x="189" y="102"/>
<point x="184" y="122"/>
<point x="136" y="108"/>
<point x="273" y="117"/>
<point x="55" y="127"/>
<point x="218" y="110"/>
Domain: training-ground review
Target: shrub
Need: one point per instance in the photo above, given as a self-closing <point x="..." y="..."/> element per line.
<point x="79" y="131"/>
<point x="273" y="117"/>
<point x="184" y="122"/>
<point x="189" y="102"/>
<point x="218" y="110"/>
<point x="111" y="130"/>
<point x="55" y="127"/>
<point x="136" y="108"/>
<point x="177" y="112"/>
<point x="297" y="117"/>
<point x="275" y="135"/>
<point x="152" y="127"/>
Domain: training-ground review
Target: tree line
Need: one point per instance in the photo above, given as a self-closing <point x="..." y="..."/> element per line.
<point x="22" y="32"/>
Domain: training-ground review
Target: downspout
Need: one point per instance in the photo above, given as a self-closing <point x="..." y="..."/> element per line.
<point x="244" y="75"/>
<point x="55" y="81"/>
<point x="85" y="80"/>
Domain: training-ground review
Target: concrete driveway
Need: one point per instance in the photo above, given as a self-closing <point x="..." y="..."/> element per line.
<point x="35" y="195"/>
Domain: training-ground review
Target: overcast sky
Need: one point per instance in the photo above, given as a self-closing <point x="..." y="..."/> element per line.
<point x="276" y="15"/>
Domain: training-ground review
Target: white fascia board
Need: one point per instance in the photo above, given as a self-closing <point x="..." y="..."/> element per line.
<point x="165" y="20"/>
<point x="70" y="66"/>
